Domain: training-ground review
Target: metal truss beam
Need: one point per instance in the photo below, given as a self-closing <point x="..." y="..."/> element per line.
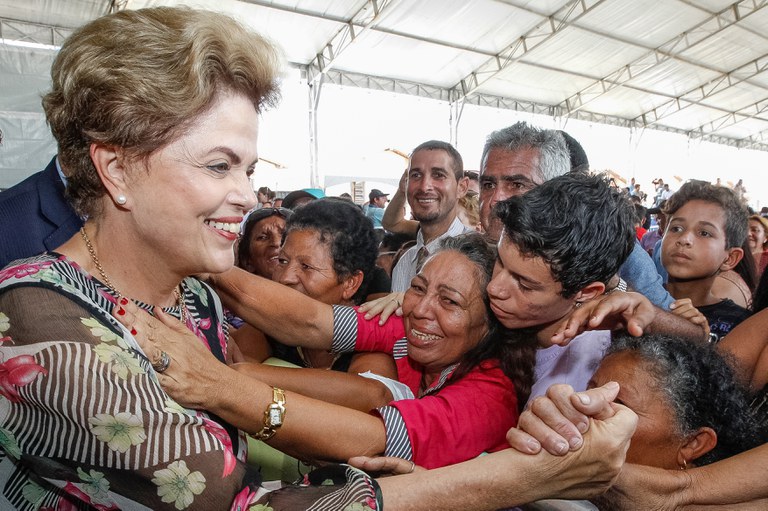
<point x="35" y="33"/>
<point x="718" y="84"/>
<point x="667" y="51"/>
<point x="363" y="19"/>
<point x="758" y="142"/>
<point x="753" y="111"/>
<point x="544" y="31"/>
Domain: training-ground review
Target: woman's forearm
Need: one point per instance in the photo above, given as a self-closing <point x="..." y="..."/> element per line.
<point x="343" y="389"/>
<point x="279" y="311"/>
<point x="311" y="430"/>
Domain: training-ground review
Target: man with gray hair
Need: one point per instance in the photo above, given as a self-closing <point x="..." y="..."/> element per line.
<point x="518" y="158"/>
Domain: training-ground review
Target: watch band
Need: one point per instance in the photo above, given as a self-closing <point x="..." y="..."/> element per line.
<point x="273" y="416"/>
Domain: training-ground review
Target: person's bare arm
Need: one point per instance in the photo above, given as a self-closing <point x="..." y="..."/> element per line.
<point x="628" y="311"/>
<point x="252" y="344"/>
<point x="311" y="430"/>
<point x="394" y="216"/>
<point x="737" y="482"/>
<point x="343" y="389"/>
<point x="275" y="309"/>
<point x="509" y="478"/>
<point x="748" y="344"/>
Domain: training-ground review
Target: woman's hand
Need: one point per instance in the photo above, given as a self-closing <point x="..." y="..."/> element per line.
<point x="194" y="377"/>
<point x="383" y="307"/>
<point x="619" y="310"/>
<point x="558" y="420"/>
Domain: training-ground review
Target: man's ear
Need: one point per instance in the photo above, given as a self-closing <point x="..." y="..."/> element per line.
<point x="734" y="256"/>
<point x="590" y="291"/>
<point x="108" y="161"/>
<point x="462" y="188"/>
<point x="696" y="445"/>
<point x="351" y="285"/>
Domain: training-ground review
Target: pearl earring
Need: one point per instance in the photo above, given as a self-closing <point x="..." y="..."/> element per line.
<point x="121" y="199"/>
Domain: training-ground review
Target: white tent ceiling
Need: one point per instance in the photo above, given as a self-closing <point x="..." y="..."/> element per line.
<point x="698" y="67"/>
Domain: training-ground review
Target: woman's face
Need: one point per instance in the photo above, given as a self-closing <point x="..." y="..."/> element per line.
<point x="187" y="203"/>
<point x="264" y="247"/>
<point x="444" y="312"/>
<point x="262" y="197"/>
<point x="305" y="264"/>
<point x="655" y="442"/>
<point x="756" y="236"/>
<point x="523" y="292"/>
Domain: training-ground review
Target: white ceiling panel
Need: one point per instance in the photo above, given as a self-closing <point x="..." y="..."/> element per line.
<point x="673" y="77"/>
<point x="736" y="97"/>
<point x="398" y="57"/>
<point x="743" y="129"/>
<point x="730" y="49"/>
<point x="573" y="65"/>
<point x="625" y="102"/>
<point x="487" y="25"/>
<point x="691" y="117"/>
<point x="583" y="52"/>
<point x="532" y="83"/>
<point x="649" y="24"/>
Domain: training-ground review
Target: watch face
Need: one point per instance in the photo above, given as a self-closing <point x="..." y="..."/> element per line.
<point x="275" y="417"/>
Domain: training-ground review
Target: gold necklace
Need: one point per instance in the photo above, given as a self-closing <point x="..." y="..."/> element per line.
<point x="105" y="278"/>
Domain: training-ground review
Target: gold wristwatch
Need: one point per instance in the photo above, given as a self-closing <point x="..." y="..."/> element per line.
<point x="273" y="415"/>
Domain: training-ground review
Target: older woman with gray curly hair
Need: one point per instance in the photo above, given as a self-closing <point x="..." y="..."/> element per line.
<point x="691" y="409"/>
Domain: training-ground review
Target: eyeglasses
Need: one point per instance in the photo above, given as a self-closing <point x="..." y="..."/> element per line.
<point x="258" y="215"/>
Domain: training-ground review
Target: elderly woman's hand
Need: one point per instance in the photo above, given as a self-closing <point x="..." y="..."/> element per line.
<point x="384" y="307"/>
<point x="620" y="310"/>
<point x="558" y="420"/>
<point x="194" y="377"/>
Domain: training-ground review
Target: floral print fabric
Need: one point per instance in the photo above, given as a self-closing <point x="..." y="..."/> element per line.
<point x="84" y="423"/>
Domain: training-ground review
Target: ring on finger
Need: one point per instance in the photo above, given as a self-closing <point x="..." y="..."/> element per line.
<point x="164" y="361"/>
<point x="413" y="467"/>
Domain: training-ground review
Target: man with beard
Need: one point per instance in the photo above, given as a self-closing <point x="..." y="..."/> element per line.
<point x="435" y="183"/>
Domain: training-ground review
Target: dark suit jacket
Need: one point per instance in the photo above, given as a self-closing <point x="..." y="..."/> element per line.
<point x="35" y="217"/>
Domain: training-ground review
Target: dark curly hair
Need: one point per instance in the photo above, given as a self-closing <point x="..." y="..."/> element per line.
<point x="577" y="223"/>
<point x="736" y="213"/>
<point x="516" y="353"/>
<point x="346" y="230"/>
<point x="701" y="388"/>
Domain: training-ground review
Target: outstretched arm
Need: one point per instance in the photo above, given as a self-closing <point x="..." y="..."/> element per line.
<point x="312" y="429"/>
<point x="627" y="311"/>
<point x="509" y="478"/>
<point x="275" y="309"/>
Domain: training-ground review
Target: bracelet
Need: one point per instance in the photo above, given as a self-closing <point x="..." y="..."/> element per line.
<point x="273" y="416"/>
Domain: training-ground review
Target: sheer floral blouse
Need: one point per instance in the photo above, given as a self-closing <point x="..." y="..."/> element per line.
<point x="83" y="419"/>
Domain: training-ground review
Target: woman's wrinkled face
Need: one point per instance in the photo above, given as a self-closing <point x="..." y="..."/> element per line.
<point x="655" y="442"/>
<point x="264" y="246"/>
<point x="305" y="264"/>
<point x="188" y="199"/>
<point x="444" y="312"/>
<point x="757" y="236"/>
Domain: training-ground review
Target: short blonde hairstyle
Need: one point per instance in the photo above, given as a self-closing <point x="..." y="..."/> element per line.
<point x="138" y="79"/>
